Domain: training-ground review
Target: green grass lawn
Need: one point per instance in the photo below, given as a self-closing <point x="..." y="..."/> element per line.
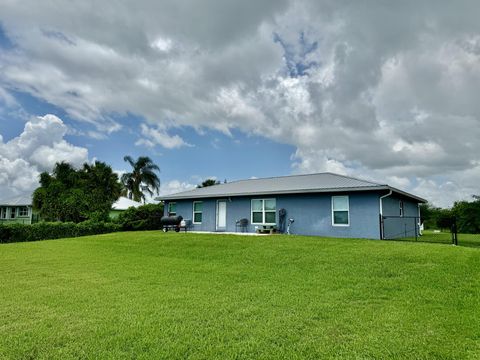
<point x="176" y="296"/>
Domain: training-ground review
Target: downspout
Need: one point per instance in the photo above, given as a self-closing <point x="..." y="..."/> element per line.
<point x="381" y="211"/>
<point x="419" y="220"/>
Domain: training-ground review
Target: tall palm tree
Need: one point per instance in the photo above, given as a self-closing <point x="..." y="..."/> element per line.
<point x="141" y="179"/>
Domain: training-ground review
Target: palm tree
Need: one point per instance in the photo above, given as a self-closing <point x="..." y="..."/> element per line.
<point x="141" y="179"/>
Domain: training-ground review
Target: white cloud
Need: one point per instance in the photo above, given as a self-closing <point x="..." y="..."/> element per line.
<point x="384" y="92"/>
<point x="175" y="186"/>
<point x="36" y="149"/>
<point x="42" y="144"/>
<point x="157" y="136"/>
<point x="6" y="98"/>
<point x="162" y="44"/>
<point x="16" y="176"/>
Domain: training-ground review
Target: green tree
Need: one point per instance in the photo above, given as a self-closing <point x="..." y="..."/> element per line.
<point x="143" y="178"/>
<point x="103" y="189"/>
<point x="435" y="217"/>
<point x="77" y="195"/>
<point x="444" y="219"/>
<point x="208" y="182"/>
<point x="428" y="213"/>
<point x="467" y="214"/>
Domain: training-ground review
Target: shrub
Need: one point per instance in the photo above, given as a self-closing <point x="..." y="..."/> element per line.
<point x="53" y="230"/>
<point x="12" y="233"/>
<point x="91" y="227"/>
<point x="145" y="217"/>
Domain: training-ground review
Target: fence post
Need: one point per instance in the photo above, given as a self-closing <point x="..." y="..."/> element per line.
<point x="380" y="218"/>
<point x="416" y="228"/>
<point x="454" y="231"/>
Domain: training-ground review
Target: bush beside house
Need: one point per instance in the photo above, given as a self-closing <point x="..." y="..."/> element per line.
<point x="145" y="217"/>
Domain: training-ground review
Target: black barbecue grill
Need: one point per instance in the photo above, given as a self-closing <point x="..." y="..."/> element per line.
<point x="172" y="223"/>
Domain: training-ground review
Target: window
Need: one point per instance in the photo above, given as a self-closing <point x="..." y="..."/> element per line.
<point x="13" y="212"/>
<point x="340" y="211"/>
<point x="172" y="209"/>
<point x="3" y="212"/>
<point x="263" y="211"/>
<point x="23" y="211"/>
<point x="400" y="205"/>
<point x="197" y="212"/>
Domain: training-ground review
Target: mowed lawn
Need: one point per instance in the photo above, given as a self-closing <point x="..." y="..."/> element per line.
<point x="177" y="296"/>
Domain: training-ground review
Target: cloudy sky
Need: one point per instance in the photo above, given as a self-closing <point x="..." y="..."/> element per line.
<point x="382" y="90"/>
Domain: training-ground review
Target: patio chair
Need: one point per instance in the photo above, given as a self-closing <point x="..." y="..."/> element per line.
<point x="241" y="224"/>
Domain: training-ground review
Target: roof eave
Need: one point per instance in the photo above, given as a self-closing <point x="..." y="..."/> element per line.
<point x="15" y="205"/>
<point x="404" y="193"/>
<point x="285" y="192"/>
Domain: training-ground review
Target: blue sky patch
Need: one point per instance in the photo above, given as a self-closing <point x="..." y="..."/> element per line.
<point x="5" y="41"/>
<point x="296" y="55"/>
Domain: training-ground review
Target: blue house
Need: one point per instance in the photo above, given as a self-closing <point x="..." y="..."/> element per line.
<point x="323" y="204"/>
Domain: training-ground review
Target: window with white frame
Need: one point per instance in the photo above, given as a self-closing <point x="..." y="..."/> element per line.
<point x="340" y="211"/>
<point x="197" y="212"/>
<point x="172" y="209"/>
<point x="3" y="213"/>
<point x="23" y="211"/>
<point x="400" y="205"/>
<point x="264" y="211"/>
<point x="13" y="212"/>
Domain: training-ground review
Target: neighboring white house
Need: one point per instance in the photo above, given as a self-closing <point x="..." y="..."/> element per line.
<point x="121" y="205"/>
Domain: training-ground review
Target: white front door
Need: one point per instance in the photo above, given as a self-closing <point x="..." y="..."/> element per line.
<point x="221" y="214"/>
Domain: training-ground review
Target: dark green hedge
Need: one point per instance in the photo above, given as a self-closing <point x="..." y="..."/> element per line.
<point x="146" y="217"/>
<point x="10" y="233"/>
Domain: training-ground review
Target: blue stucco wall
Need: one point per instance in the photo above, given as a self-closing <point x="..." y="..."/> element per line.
<point x="312" y="214"/>
<point x="398" y="227"/>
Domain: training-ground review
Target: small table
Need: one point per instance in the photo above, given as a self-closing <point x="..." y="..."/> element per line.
<point x="266" y="229"/>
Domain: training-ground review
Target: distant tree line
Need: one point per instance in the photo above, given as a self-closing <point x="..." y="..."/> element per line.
<point x="75" y="195"/>
<point x="466" y="213"/>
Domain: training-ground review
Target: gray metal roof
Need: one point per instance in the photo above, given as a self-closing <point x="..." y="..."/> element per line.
<point x="20" y="200"/>
<point x="294" y="184"/>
